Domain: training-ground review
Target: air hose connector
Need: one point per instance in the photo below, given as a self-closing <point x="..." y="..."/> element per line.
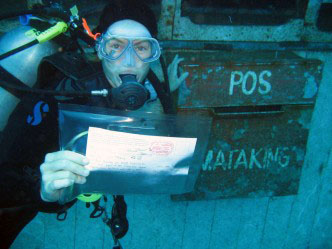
<point x="103" y="92"/>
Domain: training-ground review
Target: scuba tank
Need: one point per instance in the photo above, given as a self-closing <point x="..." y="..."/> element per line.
<point x="22" y="65"/>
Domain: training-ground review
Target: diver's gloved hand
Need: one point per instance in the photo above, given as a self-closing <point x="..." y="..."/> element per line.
<point x="59" y="170"/>
<point x="172" y="71"/>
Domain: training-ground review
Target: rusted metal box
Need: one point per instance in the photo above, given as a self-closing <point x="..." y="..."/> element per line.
<point x="261" y="104"/>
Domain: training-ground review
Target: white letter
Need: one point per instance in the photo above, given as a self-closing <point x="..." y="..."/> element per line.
<point x="253" y="159"/>
<point x="254" y="82"/>
<point x="263" y="82"/>
<point x="230" y="160"/>
<point x="233" y="82"/>
<point x="242" y="157"/>
<point x="208" y="160"/>
<point x="271" y="157"/>
<point x="220" y="161"/>
<point x="286" y="157"/>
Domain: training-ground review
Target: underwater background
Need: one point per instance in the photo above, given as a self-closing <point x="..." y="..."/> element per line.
<point x="243" y="198"/>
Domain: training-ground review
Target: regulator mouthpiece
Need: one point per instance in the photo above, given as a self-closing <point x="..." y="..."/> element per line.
<point x="131" y="95"/>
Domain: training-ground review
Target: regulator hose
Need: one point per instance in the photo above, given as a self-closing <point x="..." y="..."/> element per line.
<point x="102" y="92"/>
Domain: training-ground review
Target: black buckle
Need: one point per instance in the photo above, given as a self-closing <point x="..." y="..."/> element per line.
<point x="98" y="210"/>
<point x="62" y="215"/>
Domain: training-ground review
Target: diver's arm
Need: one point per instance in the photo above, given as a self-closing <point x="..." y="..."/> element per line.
<point x="18" y="185"/>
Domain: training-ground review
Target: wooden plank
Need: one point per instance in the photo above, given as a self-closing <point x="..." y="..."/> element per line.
<point x="318" y="147"/>
<point x="198" y="224"/>
<point x="322" y="229"/>
<point x="89" y="232"/>
<point x="226" y="224"/>
<point x="29" y="235"/>
<point x="276" y="221"/>
<point x="60" y="234"/>
<point x="253" y="215"/>
<point x="158" y="222"/>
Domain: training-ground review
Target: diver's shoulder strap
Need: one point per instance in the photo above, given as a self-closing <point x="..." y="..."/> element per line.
<point x="7" y="80"/>
<point x="71" y="64"/>
<point x="163" y="94"/>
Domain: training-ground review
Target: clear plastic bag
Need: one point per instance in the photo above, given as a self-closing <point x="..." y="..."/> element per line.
<point x="176" y="178"/>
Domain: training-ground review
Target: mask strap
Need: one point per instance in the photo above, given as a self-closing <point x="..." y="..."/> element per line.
<point x="164" y="68"/>
<point x="163" y="95"/>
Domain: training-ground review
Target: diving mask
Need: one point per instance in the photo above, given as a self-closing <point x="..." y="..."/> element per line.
<point x="113" y="47"/>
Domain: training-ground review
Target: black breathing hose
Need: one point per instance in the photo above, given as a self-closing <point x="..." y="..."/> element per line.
<point x="29" y="90"/>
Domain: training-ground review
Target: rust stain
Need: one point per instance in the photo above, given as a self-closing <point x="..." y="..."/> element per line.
<point x="229" y="65"/>
<point x="169" y="23"/>
<point x="170" y="9"/>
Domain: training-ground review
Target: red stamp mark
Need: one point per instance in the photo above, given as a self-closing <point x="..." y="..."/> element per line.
<point x="162" y="148"/>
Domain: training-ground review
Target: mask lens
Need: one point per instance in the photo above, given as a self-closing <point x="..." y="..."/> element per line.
<point x="143" y="49"/>
<point x="147" y="50"/>
<point x="113" y="48"/>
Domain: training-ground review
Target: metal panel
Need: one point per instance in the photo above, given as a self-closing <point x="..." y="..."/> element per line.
<point x="252" y="156"/>
<point x="243" y="78"/>
<point x="243" y="12"/>
<point x="259" y="132"/>
<point x="297" y="29"/>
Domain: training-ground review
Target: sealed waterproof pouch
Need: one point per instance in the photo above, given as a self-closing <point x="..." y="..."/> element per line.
<point x="133" y="152"/>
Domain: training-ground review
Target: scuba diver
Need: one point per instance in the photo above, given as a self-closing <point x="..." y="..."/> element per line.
<point x="33" y="170"/>
<point x="125" y="50"/>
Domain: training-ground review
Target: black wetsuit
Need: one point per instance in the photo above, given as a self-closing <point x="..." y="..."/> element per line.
<point x="31" y="133"/>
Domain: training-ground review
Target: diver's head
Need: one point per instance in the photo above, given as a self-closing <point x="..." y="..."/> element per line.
<point x="136" y="18"/>
<point x="127" y="47"/>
